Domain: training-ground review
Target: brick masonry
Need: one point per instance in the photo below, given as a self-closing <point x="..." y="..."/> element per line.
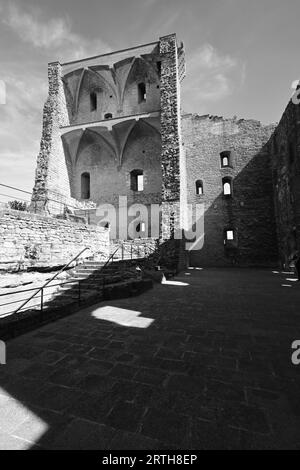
<point x="28" y="240"/>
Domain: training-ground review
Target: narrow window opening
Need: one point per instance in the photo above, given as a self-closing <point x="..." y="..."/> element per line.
<point x="93" y="101"/>
<point x="229" y="235"/>
<point x="158" y="65"/>
<point x="226" y="159"/>
<point x="137" y="180"/>
<point x="140" y="182"/>
<point x="142" y="92"/>
<point x="140" y="228"/>
<point x="199" y="187"/>
<point x="108" y="116"/>
<point x="227" y="186"/>
<point x="85" y="186"/>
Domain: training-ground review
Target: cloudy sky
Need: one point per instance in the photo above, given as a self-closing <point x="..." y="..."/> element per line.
<point x="242" y="57"/>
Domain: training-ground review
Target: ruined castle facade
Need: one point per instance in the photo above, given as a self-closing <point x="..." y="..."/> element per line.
<point x="113" y="127"/>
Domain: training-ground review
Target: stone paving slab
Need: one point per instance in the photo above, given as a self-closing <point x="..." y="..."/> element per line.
<point x="206" y="365"/>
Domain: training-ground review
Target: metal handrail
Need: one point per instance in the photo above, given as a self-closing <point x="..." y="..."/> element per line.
<point x="110" y="258"/>
<point x="35" y="289"/>
<point x="40" y="289"/>
<point x="46" y="285"/>
<point x="137" y="250"/>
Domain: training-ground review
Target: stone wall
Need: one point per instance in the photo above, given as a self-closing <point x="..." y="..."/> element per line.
<point x="114" y="78"/>
<point x="170" y="135"/>
<point x="52" y="172"/>
<point x="110" y="177"/>
<point x="28" y="239"/>
<point x="249" y="211"/>
<point x="284" y="152"/>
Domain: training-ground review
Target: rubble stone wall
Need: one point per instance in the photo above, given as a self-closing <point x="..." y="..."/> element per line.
<point x="28" y="240"/>
<point x="250" y="209"/>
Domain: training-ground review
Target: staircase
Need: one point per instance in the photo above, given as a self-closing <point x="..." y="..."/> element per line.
<point x="87" y="283"/>
<point x="90" y="278"/>
<point x="127" y="262"/>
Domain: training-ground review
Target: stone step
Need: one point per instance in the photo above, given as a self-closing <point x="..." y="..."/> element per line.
<point x="87" y="270"/>
<point x="93" y="284"/>
<point x="97" y="267"/>
<point x="92" y="263"/>
<point x="104" y="272"/>
<point x="61" y="301"/>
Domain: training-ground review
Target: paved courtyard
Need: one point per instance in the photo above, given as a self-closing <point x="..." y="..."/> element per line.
<point x="201" y="363"/>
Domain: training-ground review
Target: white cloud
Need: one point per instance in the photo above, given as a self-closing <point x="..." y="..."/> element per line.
<point x="26" y="84"/>
<point x="211" y="76"/>
<point x="20" y="128"/>
<point x="207" y="57"/>
<point x="54" y="35"/>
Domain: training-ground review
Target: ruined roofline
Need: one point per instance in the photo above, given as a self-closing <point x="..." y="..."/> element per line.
<point x="113" y="52"/>
<point x="215" y="118"/>
<point x="108" y="53"/>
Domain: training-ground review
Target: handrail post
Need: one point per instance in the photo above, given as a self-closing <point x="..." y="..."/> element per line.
<point x="131" y="250"/>
<point x="42" y="299"/>
<point x="122" y="251"/>
<point x="50" y="280"/>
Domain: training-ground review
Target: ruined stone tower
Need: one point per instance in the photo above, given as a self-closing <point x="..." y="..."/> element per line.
<point x="113" y="136"/>
<point x="111" y="128"/>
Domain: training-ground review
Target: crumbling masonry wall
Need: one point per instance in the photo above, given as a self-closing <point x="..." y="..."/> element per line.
<point x="28" y="240"/>
<point x="284" y="153"/>
<point x="172" y="191"/>
<point x="52" y="179"/>
<point x="174" y="195"/>
<point x="249" y="211"/>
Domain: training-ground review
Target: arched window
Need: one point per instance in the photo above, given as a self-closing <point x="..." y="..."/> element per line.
<point x="137" y="180"/>
<point x="93" y="101"/>
<point x="141" y="92"/>
<point x="199" y="187"/>
<point x="85" y="186"/>
<point x="226" y="159"/>
<point x="108" y="116"/>
<point x="227" y="186"/>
